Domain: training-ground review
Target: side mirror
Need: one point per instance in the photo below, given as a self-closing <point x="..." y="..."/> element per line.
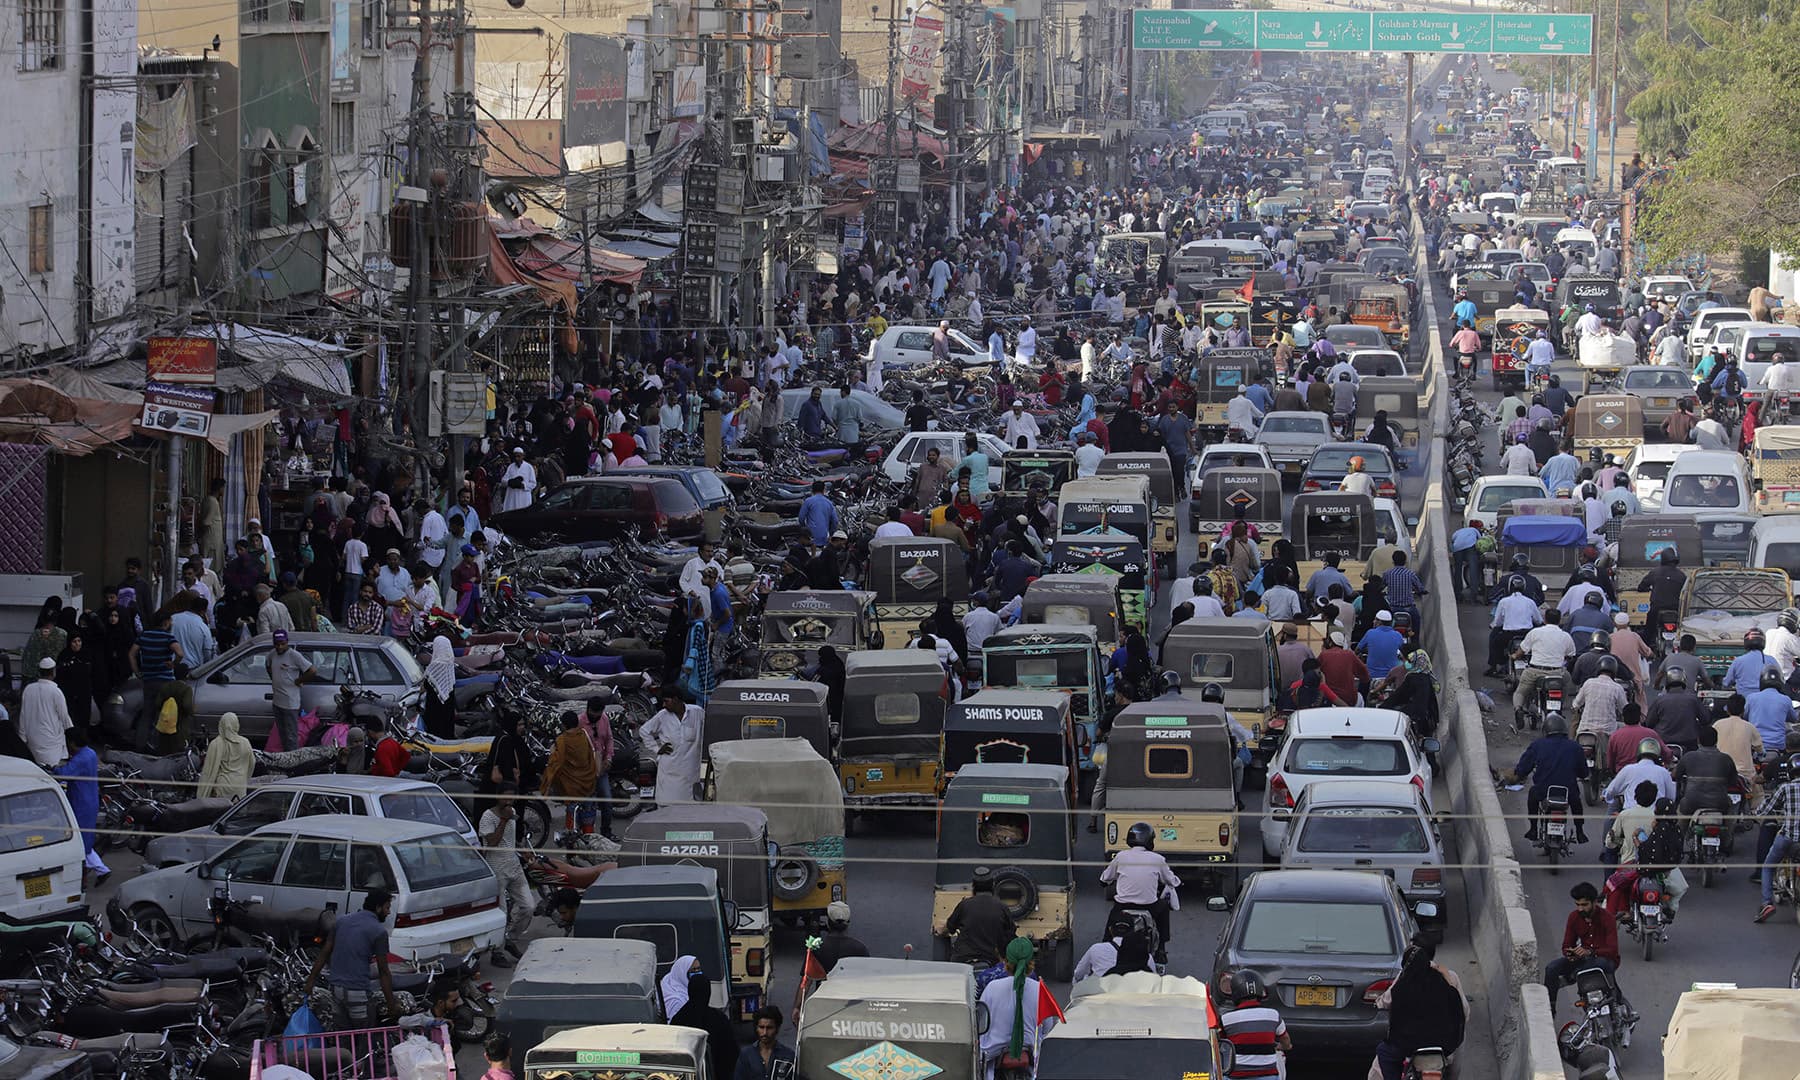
<point x="1431" y="746"/>
<point x="1217" y="903"/>
<point x="203" y="871"/>
<point x="982" y="1018"/>
<point x="1425" y="909"/>
<point x="731" y="913"/>
<point x="219" y="678"/>
<point x="1281" y="814"/>
<point x="1227" y="1057"/>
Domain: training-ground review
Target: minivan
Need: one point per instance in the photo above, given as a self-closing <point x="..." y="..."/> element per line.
<point x="1707" y="481"/>
<point x="40" y="847"/>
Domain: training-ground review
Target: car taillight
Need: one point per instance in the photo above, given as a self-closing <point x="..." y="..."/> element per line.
<point x="1424" y="876"/>
<point x="660" y="520"/>
<point x="454" y="911"/>
<point x="1278" y="723"/>
<point x="1279" y="795"/>
<point x="1375" y="990"/>
<point x="1419" y="782"/>
<point x="1225" y="836"/>
<point x="1386" y="489"/>
<point x="1310" y="485"/>
<point x="753" y="962"/>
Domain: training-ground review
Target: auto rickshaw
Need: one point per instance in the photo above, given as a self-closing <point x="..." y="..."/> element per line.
<point x="1398" y="396"/>
<point x="1239" y="655"/>
<point x="1607" y="423"/>
<point x="788" y="781"/>
<point x="765" y="709"/>
<point x="1156" y="466"/>
<point x="1219" y="381"/>
<point x="1104" y="515"/>
<point x="1251" y="494"/>
<point x="1514" y="330"/>
<point x="1642" y="540"/>
<point x="1018" y="820"/>
<point x="1063" y="658"/>
<point x="882" y="1019"/>
<point x="1076" y="600"/>
<point x="909" y="576"/>
<point x="1168" y="763"/>
<point x="1118" y="559"/>
<point x="1387" y="308"/>
<point x="1010" y="727"/>
<point x="1775" y="469"/>
<point x="601" y="1049"/>
<point x="563" y="982"/>
<point x="1023" y="471"/>
<point x="681" y="909"/>
<point x="1328" y="522"/>
<point x="893" y="716"/>
<point x="1551" y="546"/>
<point x="734" y="842"/>
<point x="796" y="623"/>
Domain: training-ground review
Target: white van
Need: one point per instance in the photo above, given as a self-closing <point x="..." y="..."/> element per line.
<point x="40" y="846"/>
<point x="1232" y="120"/>
<point x="1775" y="543"/>
<point x="1707" y="482"/>
<point x="1762" y="344"/>
<point x="1377" y="182"/>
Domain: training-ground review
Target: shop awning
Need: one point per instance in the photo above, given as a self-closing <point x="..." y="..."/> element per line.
<point x="554" y="257"/>
<point x="261" y="357"/>
<point x="38" y="413"/>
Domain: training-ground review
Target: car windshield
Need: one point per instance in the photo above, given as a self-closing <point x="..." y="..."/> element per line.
<point x="1320" y="928"/>
<point x="429" y="807"/>
<point x="434" y="862"/>
<point x="1495" y="496"/>
<point x="1374" y="829"/>
<point x="32" y="819"/>
<point x="1347" y="757"/>
<point x="1305" y="425"/>
<point x="1375" y="462"/>
<point x="711" y="488"/>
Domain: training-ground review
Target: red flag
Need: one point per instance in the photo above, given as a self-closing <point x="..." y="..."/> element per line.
<point x="1248" y="292"/>
<point x="1047" y="1005"/>
<point x="815" y="971"/>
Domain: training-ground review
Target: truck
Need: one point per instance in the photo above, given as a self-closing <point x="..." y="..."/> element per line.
<point x="1720" y="605"/>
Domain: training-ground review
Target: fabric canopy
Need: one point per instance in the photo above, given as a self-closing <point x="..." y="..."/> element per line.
<point x="870" y="140"/>
<point x="38" y="412"/>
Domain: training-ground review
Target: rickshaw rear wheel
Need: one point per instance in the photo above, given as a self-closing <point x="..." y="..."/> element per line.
<point x="1062" y="960"/>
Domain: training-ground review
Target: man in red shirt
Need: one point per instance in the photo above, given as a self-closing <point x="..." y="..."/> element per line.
<point x="389" y="758"/>
<point x="1050" y="384"/>
<point x="1344" y="671"/>
<point x="1622" y="748"/>
<point x="1590" y="938"/>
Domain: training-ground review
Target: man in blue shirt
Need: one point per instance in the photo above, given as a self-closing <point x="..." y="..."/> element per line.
<point x="1745" y="673"/>
<point x="818" y="514"/>
<point x="1465" y="560"/>
<point x="1552" y="761"/>
<point x="1770" y="710"/>
<point x="847" y="415"/>
<point x="1259" y="394"/>
<point x="1014" y="572"/>
<point x="812" y="416"/>
<point x="1464" y="312"/>
<point x="719" y="597"/>
<point x="1380" y="647"/>
<point x="1318" y="587"/>
<point x="1404" y="588"/>
<point x="1561" y="470"/>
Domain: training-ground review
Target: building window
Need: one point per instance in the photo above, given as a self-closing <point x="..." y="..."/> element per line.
<point x="374" y="16"/>
<point x="296" y="10"/>
<point x="256" y="11"/>
<point x="299" y="194"/>
<point x="262" y="178"/>
<point x="40" y="34"/>
<point x="343" y="127"/>
<point x="43" y="239"/>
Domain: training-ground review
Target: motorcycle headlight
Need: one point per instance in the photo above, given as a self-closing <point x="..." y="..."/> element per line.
<point x="1596" y="997"/>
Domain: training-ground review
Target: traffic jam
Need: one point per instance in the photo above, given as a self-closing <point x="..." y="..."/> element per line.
<point x="1015" y="665"/>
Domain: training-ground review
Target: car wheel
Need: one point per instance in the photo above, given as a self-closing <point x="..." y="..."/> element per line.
<point x="156" y="925"/>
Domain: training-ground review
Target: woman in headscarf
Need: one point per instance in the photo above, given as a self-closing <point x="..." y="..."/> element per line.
<point x="46" y="640"/>
<point x="945" y="626"/>
<point x="1413" y="689"/>
<point x="675" y="985"/>
<point x="698" y="676"/>
<point x="382" y="530"/>
<point x="1133" y="955"/>
<point x="321" y="575"/>
<point x="831" y="674"/>
<point x="440" y="681"/>
<point x="1012" y="1003"/>
<point x="697" y="1012"/>
<point x="1281" y="553"/>
<point x="1371" y="602"/>
<point x="121" y="635"/>
<point x="229" y="763"/>
<point x="1310" y="692"/>
<point x="75" y="676"/>
<point x="674" y="643"/>
<point x="1131" y="661"/>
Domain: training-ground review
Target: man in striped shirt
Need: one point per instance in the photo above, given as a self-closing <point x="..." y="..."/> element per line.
<point x="1256" y="1032"/>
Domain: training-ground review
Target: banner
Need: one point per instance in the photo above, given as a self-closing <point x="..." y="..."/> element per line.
<point x="920" y="56"/>
<point x="178" y="410"/>
<point x="190" y="360"/>
<point x="689" y="90"/>
<point x="594" y="91"/>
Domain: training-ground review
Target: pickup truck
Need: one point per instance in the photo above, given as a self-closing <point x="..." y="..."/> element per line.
<point x="1721" y="605"/>
<point x="1291" y="437"/>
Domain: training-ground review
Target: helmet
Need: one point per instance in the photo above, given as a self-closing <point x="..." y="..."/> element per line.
<point x="1753" y="639"/>
<point x="1790" y="619"/>
<point x="1520" y="562"/>
<point x="1554" y="724"/>
<point x="1141" y="835"/>
<point x="1171" y="680"/>
<point x="1675" y="680"/>
<point x="1516" y="585"/>
<point x="1247" y="985"/>
<point x="1214" y="693"/>
<point x="1203" y="587"/>
<point x="1609" y="665"/>
<point x="1356" y="463"/>
<point x="1588" y="574"/>
<point x="1771" y="677"/>
<point x="1593" y="599"/>
<point x="1603" y="641"/>
<point x="1650" y="748"/>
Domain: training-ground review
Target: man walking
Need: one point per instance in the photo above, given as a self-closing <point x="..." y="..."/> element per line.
<point x="499" y="835"/>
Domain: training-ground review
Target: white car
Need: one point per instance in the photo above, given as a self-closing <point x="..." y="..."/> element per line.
<point x="1648" y="466"/>
<point x="1705" y="322"/>
<point x="1368" y="362"/>
<point x="1391" y="526"/>
<point x="909" y="346"/>
<point x="1225" y="456"/>
<point x="1490" y="495"/>
<point x="910" y="452"/>
<point x="1340" y="744"/>
<point x="1664" y="286"/>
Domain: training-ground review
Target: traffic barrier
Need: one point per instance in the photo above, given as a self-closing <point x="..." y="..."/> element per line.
<point x="1518" y="1010"/>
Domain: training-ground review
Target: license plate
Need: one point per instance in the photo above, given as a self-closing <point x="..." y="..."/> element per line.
<point x="1293" y="466"/>
<point x="1555" y="829"/>
<point x="874" y="775"/>
<point x="1662" y="402"/>
<point x="1319" y="997"/>
<point x="1604" y="1010"/>
<point x="1649" y="909"/>
<point x="1518" y="665"/>
<point x="1709" y="841"/>
<point x="463" y="946"/>
<point x="36" y="888"/>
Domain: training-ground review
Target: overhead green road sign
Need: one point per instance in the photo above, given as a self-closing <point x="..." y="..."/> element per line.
<point x="1339" y="31"/>
<point x="1570" y="35"/>
<point x="1176" y="30"/>
<point x="1426" y="31"/>
<point x="1310" y="31"/>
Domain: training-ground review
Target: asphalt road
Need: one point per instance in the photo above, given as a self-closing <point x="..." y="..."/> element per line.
<point x="1713" y="940"/>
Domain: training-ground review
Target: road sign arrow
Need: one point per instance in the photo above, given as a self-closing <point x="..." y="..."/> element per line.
<point x="1318" y="31"/>
<point x="1455" y="31"/>
<point x="1210" y="27"/>
<point x="1550" y="34"/>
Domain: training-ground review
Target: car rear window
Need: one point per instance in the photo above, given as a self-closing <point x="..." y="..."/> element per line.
<point x="435" y="862"/>
<point x="1323" y="928"/>
<point x="711" y="488"/>
<point x="1370" y="829"/>
<point x="1375" y="461"/>
<point x="1347" y="757"/>
<point x="32" y="819"/>
<point x="1494" y="496"/>
<point x="1716" y="490"/>
<point x="673" y="498"/>
<point x="1660" y="379"/>
<point x="1306" y="425"/>
<point x="429" y="807"/>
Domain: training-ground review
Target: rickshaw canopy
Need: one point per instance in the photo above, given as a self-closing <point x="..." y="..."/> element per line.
<point x="1224" y="371"/>
<point x="1171" y="743"/>
<point x="1010" y="727"/>
<point x="1021" y="470"/>
<point x="770" y="709"/>
<point x="1644" y="537"/>
<point x="1531" y="530"/>
<point x="1117" y="554"/>
<point x="815" y="617"/>
<point x="1340" y="522"/>
<point x="917" y="570"/>
<point x="784" y="778"/>
<point x="729" y="838"/>
<point x="893" y="703"/>
<point x="1253" y="494"/>
<point x="1155" y="466"/>
<point x="1074" y="600"/>
<point x="1012" y="814"/>
<point x="1238" y="654"/>
<point x="1608" y="421"/>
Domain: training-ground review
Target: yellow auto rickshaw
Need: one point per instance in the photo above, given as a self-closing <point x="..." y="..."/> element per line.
<point x="1607" y="423"/>
<point x="1157" y="468"/>
<point x="1333" y="522"/>
<point x="798" y="790"/>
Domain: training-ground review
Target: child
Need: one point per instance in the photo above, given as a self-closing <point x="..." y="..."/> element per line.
<point x="497" y="1051"/>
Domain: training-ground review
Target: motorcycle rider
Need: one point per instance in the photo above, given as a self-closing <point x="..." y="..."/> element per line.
<point x="1601" y="701"/>
<point x="1256" y="1032"/>
<point x="1705" y="775"/>
<point x="1621" y="750"/>
<point x="1783" y="645"/>
<point x="1426" y="1008"/>
<point x="1546" y="649"/>
<point x="1590" y="939"/>
<point x="980" y="926"/>
<point x="1587" y="665"/>
<point x="1356" y="481"/>
<point x="1745" y="675"/>
<point x="1649" y="767"/>
<point x="1770" y="708"/>
<point x="1686" y="662"/>
<point x="1142" y="881"/>
<point x="1515" y="615"/>
<point x="1664" y="584"/>
<point x="1677" y="714"/>
<point x="1782" y="832"/>
<point x="1589" y="619"/>
<point x="1553" y="760"/>
<point x="1520" y="567"/>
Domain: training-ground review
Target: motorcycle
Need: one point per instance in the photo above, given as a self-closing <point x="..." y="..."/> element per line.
<point x="1647" y="919"/>
<point x="1426" y="1063"/>
<point x="1590" y="752"/>
<point x="1709" y="842"/>
<point x="1605" y="1019"/>
<point x="1554" y="840"/>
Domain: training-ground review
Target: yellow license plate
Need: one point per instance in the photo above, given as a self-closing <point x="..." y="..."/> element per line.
<point x="1320" y="997"/>
<point x="1661" y="402"/>
<point x="36" y="888"/>
<point x="463" y="946"/>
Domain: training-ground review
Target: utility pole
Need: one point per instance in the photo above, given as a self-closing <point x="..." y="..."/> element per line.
<point x="417" y="369"/>
<point x="1612" y="146"/>
<point x="953" y="85"/>
<point x="893" y="25"/>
